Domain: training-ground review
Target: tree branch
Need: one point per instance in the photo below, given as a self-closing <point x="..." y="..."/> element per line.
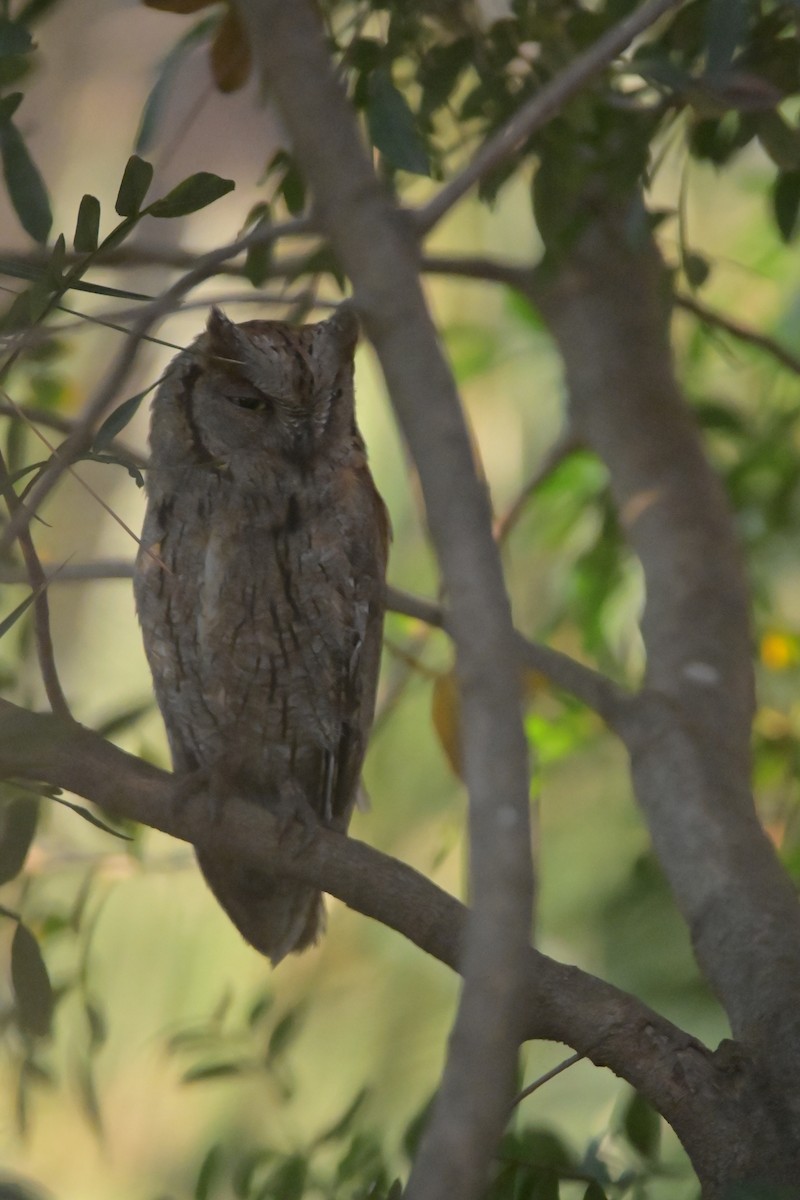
<point x="374" y="244"/>
<point x="560" y="1003"/>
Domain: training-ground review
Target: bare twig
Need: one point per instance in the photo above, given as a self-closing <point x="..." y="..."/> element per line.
<point x="41" y="606"/>
<point x="744" y="333"/>
<point x="548" y="1075"/>
<point x="541" y="108"/>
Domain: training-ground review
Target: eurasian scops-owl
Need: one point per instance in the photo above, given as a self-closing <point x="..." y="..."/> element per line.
<point x="260" y="589"/>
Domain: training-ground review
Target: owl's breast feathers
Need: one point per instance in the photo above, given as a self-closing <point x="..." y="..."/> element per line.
<point x="265" y="614"/>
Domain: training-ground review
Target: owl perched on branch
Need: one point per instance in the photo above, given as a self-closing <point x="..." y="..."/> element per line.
<point x="260" y="590"/>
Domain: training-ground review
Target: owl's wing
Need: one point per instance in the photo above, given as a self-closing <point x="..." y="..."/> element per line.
<point x="359" y="684"/>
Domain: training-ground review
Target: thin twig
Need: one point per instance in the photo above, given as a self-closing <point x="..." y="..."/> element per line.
<point x="540" y="109"/>
<point x="41" y="607"/>
<point x="548" y="1075"/>
<point x="744" y="333"/>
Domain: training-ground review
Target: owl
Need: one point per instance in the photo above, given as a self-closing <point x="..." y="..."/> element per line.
<point x="259" y="586"/>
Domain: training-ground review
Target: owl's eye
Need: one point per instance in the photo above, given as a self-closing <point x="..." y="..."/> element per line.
<point x="253" y="403"/>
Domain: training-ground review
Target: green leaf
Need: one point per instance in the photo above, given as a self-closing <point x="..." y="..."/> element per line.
<point x="257" y="263"/>
<point x="18" y="820"/>
<point x="14" y="38"/>
<point x="32" y="989"/>
<point x="641" y="1125"/>
<point x="545" y="1186"/>
<point x="26" y="188"/>
<point x="284" y="1033"/>
<point x="194" y="193"/>
<point x="594" y="1192"/>
<point x="220" y="1070"/>
<point x="392" y="128"/>
<point x="116" y="421"/>
<point x="288" y="1181"/>
<point x="786" y="203"/>
<point x="209" y="1173"/>
<point x="156" y="102"/>
<point x="780" y="140"/>
<point x="136" y="179"/>
<point x="87" y="227"/>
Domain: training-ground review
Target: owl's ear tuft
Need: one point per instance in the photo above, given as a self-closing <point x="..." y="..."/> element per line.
<point x="225" y="338"/>
<point x="342" y="327"/>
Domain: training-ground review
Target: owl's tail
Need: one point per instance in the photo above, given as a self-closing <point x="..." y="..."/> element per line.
<point x="274" y="915"/>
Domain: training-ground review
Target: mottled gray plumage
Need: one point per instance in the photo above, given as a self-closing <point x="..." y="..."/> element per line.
<point x="263" y="625"/>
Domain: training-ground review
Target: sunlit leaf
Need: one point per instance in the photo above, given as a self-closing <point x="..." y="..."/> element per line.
<point x="194" y="193"/>
<point x="446" y="717"/>
<point x="285" y="1032"/>
<point x="32" y="989"/>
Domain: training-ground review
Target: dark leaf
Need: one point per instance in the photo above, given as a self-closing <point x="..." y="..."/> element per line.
<point x="641" y="1125"/>
<point x="230" y="53"/>
<point x="786" y="203"/>
<point x="32" y="989"/>
<point x="545" y="1186"/>
<point x="288" y="1181"/>
<point x="12" y="1189"/>
<point x="87" y="227"/>
<point x="136" y="180"/>
<point x="594" y="1192"/>
<point x="416" y="1127"/>
<point x="727" y="26"/>
<point x="116" y="460"/>
<point x="14" y="38"/>
<point x="116" y="421"/>
<point x="157" y="100"/>
<point x="392" y="128"/>
<point x="9" y="105"/>
<point x="780" y="140"/>
<point x="194" y="193"/>
<point x="25" y="185"/>
<point x="257" y="263"/>
<point x="17" y="828"/>
<point x="697" y="269"/>
<point x="178" y="6"/>
<point x="293" y="189"/>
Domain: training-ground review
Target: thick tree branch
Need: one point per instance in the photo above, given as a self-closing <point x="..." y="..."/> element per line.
<point x="690" y="739"/>
<point x="375" y="246"/>
<point x="560" y="1003"/>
